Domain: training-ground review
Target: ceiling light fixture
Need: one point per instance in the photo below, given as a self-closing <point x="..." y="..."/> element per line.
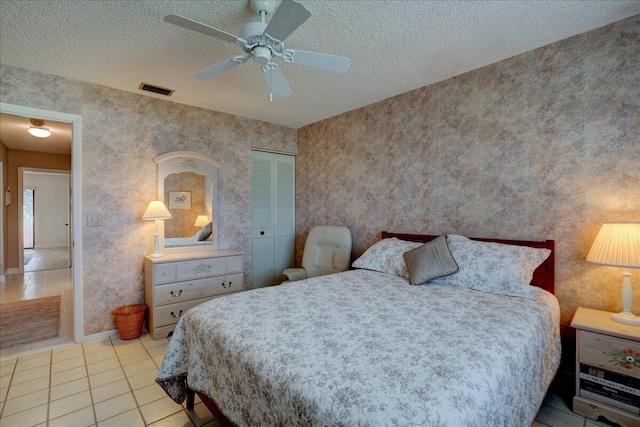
<point x="38" y="130"/>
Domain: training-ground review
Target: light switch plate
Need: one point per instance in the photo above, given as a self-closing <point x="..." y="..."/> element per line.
<point x="93" y="220"/>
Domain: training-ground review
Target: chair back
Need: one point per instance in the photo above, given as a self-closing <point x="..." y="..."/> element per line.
<point x="327" y="250"/>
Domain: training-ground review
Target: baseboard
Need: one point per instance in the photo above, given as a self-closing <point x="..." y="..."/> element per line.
<point x="100" y="335"/>
<point x="63" y="245"/>
<point x="13" y="270"/>
<point x="2" y="278"/>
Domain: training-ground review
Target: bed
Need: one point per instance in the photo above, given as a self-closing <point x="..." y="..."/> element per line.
<point x="366" y="347"/>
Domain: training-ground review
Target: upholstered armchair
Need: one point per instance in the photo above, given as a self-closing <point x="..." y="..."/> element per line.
<point x="327" y="250"/>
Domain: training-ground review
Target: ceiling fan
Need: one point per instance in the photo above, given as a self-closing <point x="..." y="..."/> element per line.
<point x="264" y="41"/>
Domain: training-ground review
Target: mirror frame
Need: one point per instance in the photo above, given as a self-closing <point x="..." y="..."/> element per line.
<point x="188" y="161"/>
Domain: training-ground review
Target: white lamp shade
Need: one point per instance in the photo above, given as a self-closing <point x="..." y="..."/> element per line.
<point x="617" y="245"/>
<point x="201" y="221"/>
<point x="157" y="210"/>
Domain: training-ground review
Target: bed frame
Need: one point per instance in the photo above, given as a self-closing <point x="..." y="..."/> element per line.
<point x="543" y="277"/>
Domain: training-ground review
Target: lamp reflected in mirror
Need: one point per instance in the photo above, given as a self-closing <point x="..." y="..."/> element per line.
<point x="201" y="221"/>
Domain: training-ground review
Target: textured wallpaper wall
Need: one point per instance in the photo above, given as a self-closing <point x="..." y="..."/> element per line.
<point x="122" y="132"/>
<point x="545" y="145"/>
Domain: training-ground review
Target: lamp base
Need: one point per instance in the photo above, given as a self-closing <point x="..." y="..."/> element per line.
<point x="626" y="318"/>
<point x="156" y="255"/>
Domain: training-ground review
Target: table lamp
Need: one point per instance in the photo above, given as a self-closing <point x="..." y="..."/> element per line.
<point x="156" y="211"/>
<point x="618" y="245"/>
<point x="201" y="221"/>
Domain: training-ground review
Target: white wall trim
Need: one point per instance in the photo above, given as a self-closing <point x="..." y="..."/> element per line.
<point x="61" y="245"/>
<point x="76" y="196"/>
<point x="99" y="335"/>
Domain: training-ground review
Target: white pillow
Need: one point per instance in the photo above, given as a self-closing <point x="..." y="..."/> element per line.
<point x="386" y="256"/>
<point x="494" y="267"/>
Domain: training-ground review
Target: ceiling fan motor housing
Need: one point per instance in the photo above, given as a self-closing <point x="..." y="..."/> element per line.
<point x="261" y="55"/>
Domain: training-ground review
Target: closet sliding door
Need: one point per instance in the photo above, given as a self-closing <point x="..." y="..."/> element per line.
<point x="272" y="216"/>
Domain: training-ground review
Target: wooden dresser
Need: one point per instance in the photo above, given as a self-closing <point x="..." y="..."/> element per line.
<point x="175" y="283"/>
<point x="607" y="368"/>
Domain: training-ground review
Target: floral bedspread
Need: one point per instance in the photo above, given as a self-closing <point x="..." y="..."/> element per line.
<point x="362" y="348"/>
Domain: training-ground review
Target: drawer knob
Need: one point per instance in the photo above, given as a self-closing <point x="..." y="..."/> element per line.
<point x="224" y="285"/>
<point x="176" y="294"/>
<point x="175" y="316"/>
<point x="166" y="273"/>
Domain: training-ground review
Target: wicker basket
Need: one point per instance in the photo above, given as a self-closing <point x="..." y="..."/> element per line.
<point x="129" y="320"/>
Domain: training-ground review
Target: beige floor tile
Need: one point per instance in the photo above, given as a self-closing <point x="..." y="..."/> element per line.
<point x="22" y="403"/>
<point x="159" y="350"/>
<point x="159" y="409"/>
<point x="34" y="355"/>
<point x="28" y="387"/>
<point x="30" y="417"/>
<point x="24" y="365"/>
<point x="69" y="388"/>
<point x="106" y="377"/>
<point x="67" y="376"/>
<point x="66" y="348"/>
<point x="69" y="404"/>
<point x="158" y="361"/>
<point x="99" y="356"/>
<point x="110" y="390"/>
<point x="102" y="366"/>
<point x="5" y="380"/>
<point x="556" y="417"/>
<point x="143" y="379"/>
<point x="72" y="353"/>
<point x="8" y="362"/>
<point x="130" y="358"/>
<point x="116" y="406"/>
<point x="140" y="367"/>
<point x="147" y="342"/>
<point x="81" y="418"/>
<point x="537" y="423"/>
<point x="3" y="394"/>
<point x="130" y="418"/>
<point x="31" y="374"/>
<point x="96" y="346"/>
<point x="126" y="347"/>
<point x="176" y="420"/>
<point x="65" y="365"/>
<point x="149" y="394"/>
<point x="201" y="415"/>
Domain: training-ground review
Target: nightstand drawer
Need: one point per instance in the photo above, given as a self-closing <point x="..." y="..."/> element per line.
<point x="610" y="353"/>
<point x="164" y="273"/>
<point x="233" y="264"/>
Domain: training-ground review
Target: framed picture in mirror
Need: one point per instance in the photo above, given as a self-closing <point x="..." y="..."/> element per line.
<point x="179" y="200"/>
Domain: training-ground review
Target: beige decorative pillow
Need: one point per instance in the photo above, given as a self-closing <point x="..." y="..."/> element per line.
<point x="430" y="261"/>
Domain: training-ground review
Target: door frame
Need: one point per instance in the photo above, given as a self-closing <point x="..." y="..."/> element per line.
<point x="76" y="200"/>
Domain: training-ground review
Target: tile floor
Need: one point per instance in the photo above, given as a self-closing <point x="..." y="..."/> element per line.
<point x="110" y="382"/>
<point x="47" y="259"/>
<point x="104" y="382"/>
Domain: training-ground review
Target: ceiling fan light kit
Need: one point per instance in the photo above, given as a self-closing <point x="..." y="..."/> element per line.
<point x="38" y="130"/>
<point x="263" y="41"/>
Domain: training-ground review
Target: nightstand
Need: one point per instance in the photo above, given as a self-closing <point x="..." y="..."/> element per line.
<point x="607" y="368"/>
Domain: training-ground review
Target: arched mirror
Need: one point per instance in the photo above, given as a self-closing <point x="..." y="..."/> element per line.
<point x="188" y="184"/>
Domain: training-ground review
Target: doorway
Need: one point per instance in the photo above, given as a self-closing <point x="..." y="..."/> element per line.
<point x="75" y="328"/>
<point x="45" y="219"/>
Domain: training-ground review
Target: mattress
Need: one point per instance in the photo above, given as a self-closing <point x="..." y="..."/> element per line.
<point x="366" y="348"/>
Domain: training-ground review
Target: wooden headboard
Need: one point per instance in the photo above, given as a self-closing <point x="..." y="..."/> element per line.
<point x="543" y="276"/>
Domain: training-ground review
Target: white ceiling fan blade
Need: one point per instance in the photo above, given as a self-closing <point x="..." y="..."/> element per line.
<point x="337" y="64"/>
<point x="181" y="21"/>
<point x="289" y="16"/>
<point x="276" y="80"/>
<point x="220" y="67"/>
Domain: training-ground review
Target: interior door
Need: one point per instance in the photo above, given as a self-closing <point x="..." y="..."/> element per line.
<point x="272" y="216"/>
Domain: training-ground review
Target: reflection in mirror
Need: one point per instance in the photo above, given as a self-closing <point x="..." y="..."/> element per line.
<point x="187" y="182"/>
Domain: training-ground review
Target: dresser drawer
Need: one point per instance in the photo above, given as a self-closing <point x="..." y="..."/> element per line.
<point x="196" y="289"/>
<point x="233" y="264"/>
<point x="200" y="268"/>
<point x="164" y="273"/>
<point x="170" y="314"/>
<point x="610" y="353"/>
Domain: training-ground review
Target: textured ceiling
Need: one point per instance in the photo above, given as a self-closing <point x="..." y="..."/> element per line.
<point x="394" y="46"/>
